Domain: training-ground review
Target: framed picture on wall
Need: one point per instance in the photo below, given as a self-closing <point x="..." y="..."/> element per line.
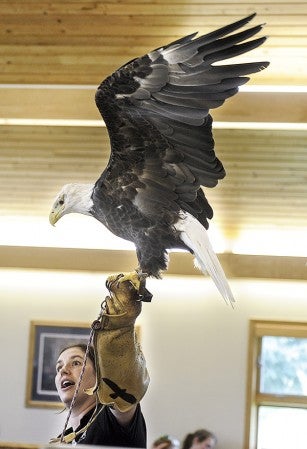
<point x="47" y="339"/>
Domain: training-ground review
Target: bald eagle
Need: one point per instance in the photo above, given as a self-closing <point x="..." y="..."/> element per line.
<point x="156" y="109"/>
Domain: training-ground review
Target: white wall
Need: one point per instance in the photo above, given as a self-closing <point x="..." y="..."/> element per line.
<point x="195" y="346"/>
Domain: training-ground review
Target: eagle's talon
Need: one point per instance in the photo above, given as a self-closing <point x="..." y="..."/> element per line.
<point x="113" y="281"/>
<point x="134" y="281"/>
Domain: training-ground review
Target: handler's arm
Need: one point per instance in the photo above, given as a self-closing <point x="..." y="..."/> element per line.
<point x="122" y="377"/>
<point x="124" y="418"/>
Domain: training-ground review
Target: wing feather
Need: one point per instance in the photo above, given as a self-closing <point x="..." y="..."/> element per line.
<point x="156" y="109"/>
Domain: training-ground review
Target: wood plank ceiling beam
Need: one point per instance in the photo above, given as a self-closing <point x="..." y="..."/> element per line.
<point x="181" y="264"/>
<point x="79" y="104"/>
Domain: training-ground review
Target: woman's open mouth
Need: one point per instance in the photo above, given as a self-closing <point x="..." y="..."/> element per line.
<point x="65" y="384"/>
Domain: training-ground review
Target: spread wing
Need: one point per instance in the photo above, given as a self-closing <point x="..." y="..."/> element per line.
<point x="156" y="109"/>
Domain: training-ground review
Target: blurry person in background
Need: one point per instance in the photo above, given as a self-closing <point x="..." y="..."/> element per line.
<point x="166" y="442"/>
<point x="200" y="439"/>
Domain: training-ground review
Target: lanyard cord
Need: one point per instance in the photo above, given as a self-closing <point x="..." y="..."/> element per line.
<point x="78" y="386"/>
<point x="72" y="436"/>
<point x="95" y="325"/>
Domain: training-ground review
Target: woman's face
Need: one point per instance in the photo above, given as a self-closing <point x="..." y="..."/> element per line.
<point x="68" y="369"/>
<point x="208" y="443"/>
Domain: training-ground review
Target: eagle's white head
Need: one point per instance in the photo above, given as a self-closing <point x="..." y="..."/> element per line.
<point x="72" y="198"/>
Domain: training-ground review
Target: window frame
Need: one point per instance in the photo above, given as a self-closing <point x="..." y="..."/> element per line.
<point x="255" y="399"/>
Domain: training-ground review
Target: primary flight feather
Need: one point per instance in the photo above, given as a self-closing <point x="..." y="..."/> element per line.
<point x="156" y="109"/>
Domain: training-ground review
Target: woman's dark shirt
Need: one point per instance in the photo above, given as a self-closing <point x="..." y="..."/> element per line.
<point x="106" y="431"/>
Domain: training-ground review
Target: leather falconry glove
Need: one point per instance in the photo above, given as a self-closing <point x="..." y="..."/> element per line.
<point x="121" y="375"/>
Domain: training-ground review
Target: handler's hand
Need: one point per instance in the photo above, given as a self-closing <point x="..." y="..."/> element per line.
<point x="124" y="304"/>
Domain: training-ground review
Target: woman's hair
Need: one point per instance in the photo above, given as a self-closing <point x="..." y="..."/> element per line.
<point x="169" y="441"/>
<point x="200" y="434"/>
<point x="82" y="346"/>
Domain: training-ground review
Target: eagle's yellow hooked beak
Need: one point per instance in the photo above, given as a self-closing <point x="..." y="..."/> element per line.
<point x="57" y="212"/>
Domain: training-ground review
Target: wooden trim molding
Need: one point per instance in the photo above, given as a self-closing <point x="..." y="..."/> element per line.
<point x="69" y="259"/>
<point x="12" y="445"/>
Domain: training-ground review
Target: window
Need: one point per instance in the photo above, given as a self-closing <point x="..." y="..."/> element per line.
<point x="276" y="409"/>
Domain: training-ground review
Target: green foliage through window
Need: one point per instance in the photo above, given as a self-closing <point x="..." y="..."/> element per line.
<point x="283" y="365"/>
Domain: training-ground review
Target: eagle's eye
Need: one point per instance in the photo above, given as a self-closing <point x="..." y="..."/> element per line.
<point x="61" y="201"/>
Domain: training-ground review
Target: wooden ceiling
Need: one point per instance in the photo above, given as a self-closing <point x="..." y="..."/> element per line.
<point x="81" y="42"/>
<point x="73" y="45"/>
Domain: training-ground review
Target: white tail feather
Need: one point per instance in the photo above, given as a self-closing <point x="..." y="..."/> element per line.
<point x="195" y="236"/>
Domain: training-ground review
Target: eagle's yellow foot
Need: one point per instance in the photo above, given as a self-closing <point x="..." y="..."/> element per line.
<point x="129" y="283"/>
